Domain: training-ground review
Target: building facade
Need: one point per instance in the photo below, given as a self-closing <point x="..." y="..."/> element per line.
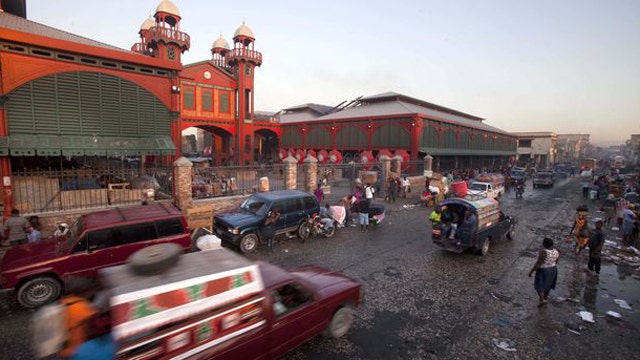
<point x="536" y="148"/>
<point x="69" y="97"/>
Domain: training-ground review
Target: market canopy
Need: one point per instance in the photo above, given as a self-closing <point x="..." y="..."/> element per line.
<point x="77" y="145"/>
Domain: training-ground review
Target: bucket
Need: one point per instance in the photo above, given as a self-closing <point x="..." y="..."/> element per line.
<point x="459" y="188"/>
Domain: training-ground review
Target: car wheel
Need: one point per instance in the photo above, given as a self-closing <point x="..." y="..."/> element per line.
<point x="154" y="259"/>
<point x="249" y="243"/>
<point x="39" y="291"/>
<point x="340" y="322"/>
<point x="512" y="232"/>
<point x="484" y="250"/>
<point x="304" y="231"/>
<point x="330" y="232"/>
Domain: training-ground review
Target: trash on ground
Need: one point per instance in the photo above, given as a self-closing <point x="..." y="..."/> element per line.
<point x="504" y="344"/>
<point x="622" y="303"/>
<point x="586" y="316"/>
<point x="574" y="332"/>
<point x="501" y="322"/>
<point x="615" y="228"/>
<point x="610" y="243"/>
<point x="504" y="298"/>
<point x="614" y="314"/>
<point x="574" y="300"/>
<point x="209" y="242"/>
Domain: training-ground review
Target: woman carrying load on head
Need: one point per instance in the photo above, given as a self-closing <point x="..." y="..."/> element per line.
<point x="580" y="230"/>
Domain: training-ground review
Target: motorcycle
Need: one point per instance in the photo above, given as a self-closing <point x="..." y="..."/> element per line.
<point x="319" y="225"/>
<point x="519" y="191"/>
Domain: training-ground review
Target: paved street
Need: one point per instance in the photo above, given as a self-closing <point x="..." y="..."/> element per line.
<point x="424" y="303"/>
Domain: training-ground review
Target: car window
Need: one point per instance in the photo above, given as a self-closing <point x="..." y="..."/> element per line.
<point x="293" y="205"/>
<point x="169" y="227"/>
<point x="100" y="239"/>
<point x="309" y="203"/>
<point x="254" y="205"/>
<point x="81" y="246"/>
<point x="289" y="297"/>
<point x="130" y="234"/>
<point x="281" y="205"/>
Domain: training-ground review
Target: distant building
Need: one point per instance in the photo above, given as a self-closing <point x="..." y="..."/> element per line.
<point x="632" y="150"/>
<point x="536" y="148"/>
<point x="572" y="147"/>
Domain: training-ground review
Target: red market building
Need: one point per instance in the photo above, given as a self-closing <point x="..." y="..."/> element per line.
<point x="394" y="123"/>
<point x="66" y="96"/>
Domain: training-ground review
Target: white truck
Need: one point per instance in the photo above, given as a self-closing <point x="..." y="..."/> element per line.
<point x="480" y="189"/>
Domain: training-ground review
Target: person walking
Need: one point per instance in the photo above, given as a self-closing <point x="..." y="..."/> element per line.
<point x="363" y="215"/>
<point x="609" y="208"/>
<point x="596" y="241"/>
<point x="546" y="271"/>
<point x="406" y="187"/>
<point x="15" y="229"/>
<point x="319" y="193"/>
<point x="580" y="230"/>
<point x="628" y="224"/>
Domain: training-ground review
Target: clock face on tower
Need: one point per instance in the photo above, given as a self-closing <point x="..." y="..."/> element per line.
<point x="207" y="75"/>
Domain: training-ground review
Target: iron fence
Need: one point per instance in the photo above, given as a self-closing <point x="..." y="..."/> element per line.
<point x="41" y="191"/>
<point x="211" y="182"/>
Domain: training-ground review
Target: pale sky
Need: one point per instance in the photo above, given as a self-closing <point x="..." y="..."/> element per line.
<point x="567" y="66"/>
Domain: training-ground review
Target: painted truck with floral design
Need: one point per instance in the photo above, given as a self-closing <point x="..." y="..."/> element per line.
<point x="218" y="305"/>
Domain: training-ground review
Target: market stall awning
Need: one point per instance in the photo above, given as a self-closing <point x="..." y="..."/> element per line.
<point x="76" y="145"/>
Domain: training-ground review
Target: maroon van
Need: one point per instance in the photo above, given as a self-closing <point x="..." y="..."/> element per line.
<point x="97" y="240"/>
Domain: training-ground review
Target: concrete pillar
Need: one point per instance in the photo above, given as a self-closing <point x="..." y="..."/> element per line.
<point x="182" y="175"/>
<point x="310" y="173"/>
<point x="428" y="162"/>
<point x="264" y="184"/>
<point x="385" y="162"/>
<point x="290" y="173"/>
<point x="396" y="164"/>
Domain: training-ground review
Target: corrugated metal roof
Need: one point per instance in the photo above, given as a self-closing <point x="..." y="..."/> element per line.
<point x="12" y="22"/>
<point x="398" y="107"/>
<point x="298" y="116"/>
<point x="322" y="109"/>
<point x="390" y="96"/>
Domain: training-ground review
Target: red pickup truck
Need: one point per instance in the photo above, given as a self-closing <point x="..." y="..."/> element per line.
<point x="218" y="305"/>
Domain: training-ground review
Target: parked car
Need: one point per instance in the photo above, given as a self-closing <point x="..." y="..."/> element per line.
<point x="492" y="225"/>
<point x="544" y="178"/>
<point x="218" y="305"/>
<point x="37" y="271"/>
<point x="478" y="189"/>
<point x="241" y="227"/>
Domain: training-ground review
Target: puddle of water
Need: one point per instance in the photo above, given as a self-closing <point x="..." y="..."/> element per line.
<point x="597" y="294"/>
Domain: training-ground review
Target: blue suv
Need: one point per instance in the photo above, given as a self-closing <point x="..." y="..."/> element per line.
<point x="242" y="226"/>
